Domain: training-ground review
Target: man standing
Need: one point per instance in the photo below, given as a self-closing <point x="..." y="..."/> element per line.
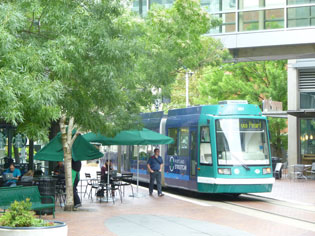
<point x="155" y="164"/>
<point x="16" y="173"/>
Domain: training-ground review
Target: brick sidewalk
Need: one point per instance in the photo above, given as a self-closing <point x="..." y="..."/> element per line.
<point x="302" y="191"/>
<point x="139" y="216"/>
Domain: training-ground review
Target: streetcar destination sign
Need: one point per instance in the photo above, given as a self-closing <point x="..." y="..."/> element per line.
<point x="250" y="124"/>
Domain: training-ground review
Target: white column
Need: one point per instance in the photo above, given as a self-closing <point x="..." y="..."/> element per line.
<point x="293" y="122"/>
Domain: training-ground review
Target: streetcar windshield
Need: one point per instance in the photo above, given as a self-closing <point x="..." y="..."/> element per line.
<point x="242" y="142"/>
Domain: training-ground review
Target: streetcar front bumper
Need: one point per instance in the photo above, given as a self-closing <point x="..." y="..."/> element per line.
<point x="231" y="185"/>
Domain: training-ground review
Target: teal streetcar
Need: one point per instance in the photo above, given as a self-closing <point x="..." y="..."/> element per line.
<point x="220" y="148"/>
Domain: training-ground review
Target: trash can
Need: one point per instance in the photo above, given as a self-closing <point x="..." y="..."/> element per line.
<point x="277" y="174"/>
<point x="274" y="160"/>
<point x="47" y="187"/>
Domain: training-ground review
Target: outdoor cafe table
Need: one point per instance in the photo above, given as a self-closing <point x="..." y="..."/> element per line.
<point x="108" y="185"/>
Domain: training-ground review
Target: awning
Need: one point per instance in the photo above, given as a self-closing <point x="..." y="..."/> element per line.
<point x="310" y="113"/>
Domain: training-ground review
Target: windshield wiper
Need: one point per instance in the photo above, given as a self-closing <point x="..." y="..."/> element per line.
<point x="241" y="162"/>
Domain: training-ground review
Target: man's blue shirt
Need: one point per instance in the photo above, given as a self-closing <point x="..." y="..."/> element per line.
<point x="15" y="173"/>
<point x="155" y="163"/>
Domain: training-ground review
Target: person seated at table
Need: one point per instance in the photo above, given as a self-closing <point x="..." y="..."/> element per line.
<point x="59" y="170"/>
<point x="104" y="173"/>
<point x="28" y="176"/>
<point x="16" y="173"/>
<point x="105" y="168"/>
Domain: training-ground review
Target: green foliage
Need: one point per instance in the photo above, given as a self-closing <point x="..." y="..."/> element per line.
<point x="174" y="41"/>
<point x="20" y="215"/>
<point x="252" y="81"/>
<point x="26" y="94"/>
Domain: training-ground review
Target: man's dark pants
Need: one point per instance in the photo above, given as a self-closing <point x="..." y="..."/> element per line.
<point x="156" y="175"/>
<point x="75" y="191"/>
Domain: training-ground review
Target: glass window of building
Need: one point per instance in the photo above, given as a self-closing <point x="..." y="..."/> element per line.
<point x="219" y="5"/>
<point x="260" y="20"/>
<point x="307" y="139"/>
<point x="274" y="19"/>
<point x="228" y="23"/>
<point x="140" y="6"/>
<point x="250" y="4"/>
<point x="275" y="3"/>
<point x="254" y="4"/>
<point x="165" y="3"/>
<point x="249" y="20"/>
<point x="301" y="16"/>
<point x="307" y="100"/>
<point x="296" y="2"/>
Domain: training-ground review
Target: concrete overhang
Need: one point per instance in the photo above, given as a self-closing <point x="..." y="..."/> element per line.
<point x="275" y="114"/>
<point x="309" y="113"/>
<point x="297" y="43"/>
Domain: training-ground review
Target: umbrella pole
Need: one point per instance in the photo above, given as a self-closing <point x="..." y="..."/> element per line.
<point x="108" y="168"/>
<point x="138" y="171"/>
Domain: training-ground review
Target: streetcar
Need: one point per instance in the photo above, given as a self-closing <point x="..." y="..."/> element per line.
<point x="221" y="148"/>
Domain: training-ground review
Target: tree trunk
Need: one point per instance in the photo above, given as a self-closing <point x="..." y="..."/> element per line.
<point x="67" y="163"/>
<point x="67" y="140"/>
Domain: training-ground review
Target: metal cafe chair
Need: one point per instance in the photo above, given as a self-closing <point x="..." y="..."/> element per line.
<point x="312" y="171"/>
<point x="60" y="194"/>
<point x="126" y="181"/>
<point x="94" y="185"/>
<point x="116" y="186"/>
<point x="89" y="183"/>
<point x="99" y="175"/>
<point x="298" y="171"/>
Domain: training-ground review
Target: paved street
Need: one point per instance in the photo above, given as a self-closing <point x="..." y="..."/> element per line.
<point x="173" y="214"/>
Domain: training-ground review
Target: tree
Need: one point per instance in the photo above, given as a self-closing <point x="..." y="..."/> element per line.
<point x="175" y="42"/>
<point x="27" y="96"/>
<point x="94" y="63"/>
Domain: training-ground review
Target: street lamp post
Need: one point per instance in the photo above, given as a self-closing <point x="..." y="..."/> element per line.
<point x="188" y="73"/>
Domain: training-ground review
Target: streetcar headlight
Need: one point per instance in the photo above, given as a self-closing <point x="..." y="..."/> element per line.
<point x="224" y="171"/>
<point x="266" y="170"/>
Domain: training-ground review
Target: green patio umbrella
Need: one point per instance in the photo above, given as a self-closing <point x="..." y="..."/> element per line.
<point x="97" y="138"/>
<point x="81" y="150"/>
<point x="140" y="137"/>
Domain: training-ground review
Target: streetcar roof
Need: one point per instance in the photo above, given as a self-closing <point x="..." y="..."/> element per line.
<point x="218" y="110"/>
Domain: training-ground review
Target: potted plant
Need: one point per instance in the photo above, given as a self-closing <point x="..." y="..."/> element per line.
<point x="20" y="220"/>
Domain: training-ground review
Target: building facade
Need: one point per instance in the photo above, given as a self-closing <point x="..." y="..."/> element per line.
<point x="301" y="111"/>
<point x="258" y="29"/>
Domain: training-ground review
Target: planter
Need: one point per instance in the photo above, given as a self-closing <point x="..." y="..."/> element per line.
<point x="60" y="229"/>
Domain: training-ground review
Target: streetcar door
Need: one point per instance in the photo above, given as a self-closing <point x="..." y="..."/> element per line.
<point x="193" y="152"/>
<point x="205" y="162"/>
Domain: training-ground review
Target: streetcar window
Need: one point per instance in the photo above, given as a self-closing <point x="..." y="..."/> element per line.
<point x="242" y="141"/>
<point x="205" y="146"/>
<point x="204" y="134"/>
<point x="172" y="148"/>
<point x="183" y="142"/>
